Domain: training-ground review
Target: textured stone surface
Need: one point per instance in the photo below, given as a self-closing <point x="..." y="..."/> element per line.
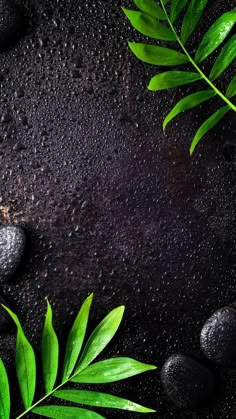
<point x="109" y="203"/>
<point x="12" y="246"/>
<point x="188" y="384"/>
<point x="5" y="319"/>
<point x="218" y="337"/>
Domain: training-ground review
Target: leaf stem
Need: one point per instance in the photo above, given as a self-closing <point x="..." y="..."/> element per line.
<point x="191" y="60"/>
<point x="46" y="396"/>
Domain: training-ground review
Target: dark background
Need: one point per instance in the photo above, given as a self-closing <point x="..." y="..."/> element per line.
<point x="109" y="203"/>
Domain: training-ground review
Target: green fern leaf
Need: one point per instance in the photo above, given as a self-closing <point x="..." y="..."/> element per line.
<point x="225" y="58"/>
<point x="231" y="91"/>
<point x="148" y="25"/>
<point x="162" y="56"/>
<point x="25" y="363"/>
<point x="96" y="399"/>
<point x="76" y="339"/>
<point x="5" y="403"/>
<point x="108" y="371"/>
<point x="171" y="79"/>
<point x="207" y="126"/>
<point x="215" y="35"/>
<point x="150" y="7"/>
<point x="187" y="103"/>
<point x="191" y="18"/>
<point x="50" y="352"/>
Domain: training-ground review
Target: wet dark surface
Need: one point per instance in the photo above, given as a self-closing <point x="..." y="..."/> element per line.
<point x="109" y="203"/>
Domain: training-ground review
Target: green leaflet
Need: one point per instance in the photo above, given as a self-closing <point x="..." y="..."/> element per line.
<point x="100" y="337"/>
<point x="25" y="363"/>
<point x="187" y="103"/>
<point x="191" y="18"/>
<point x="76" y="338"/>
<point x="4" y="393"/>
<point x="177" y="6"/>
<point x="148" y="25"/>
<point x="153" y="54"/>
<point x="94" y="398"/>
<point x="225" y="58"/>
<point x="64" y="412"/>
<point x="151" y="8"/>
<point x="231" y="91"/>
<point x="215" y="35"/>
<point x="111" y="370"/>
<point x="50" y="352"/>
<point x="207" y="126"/>
<point x="171" y="79"/>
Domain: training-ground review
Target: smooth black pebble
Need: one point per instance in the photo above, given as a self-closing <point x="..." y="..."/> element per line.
<point x="5" y="319"/>
<point x="11" y="23"/>
<point x="12" y="246"/>
<point x="218" y="337"/>
<point x="187" y="383"/>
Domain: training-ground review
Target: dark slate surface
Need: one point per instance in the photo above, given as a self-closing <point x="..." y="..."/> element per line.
<point x="110" y="204"/>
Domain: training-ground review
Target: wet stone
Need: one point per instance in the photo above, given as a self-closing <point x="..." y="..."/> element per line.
<point x="187" y="383"/>
<point x="218" y="337"/>
<point x="11" y="23"/>
<point x="229" y="152"/>
<point x="5" y="319"/>
<point x="12" y="246"/>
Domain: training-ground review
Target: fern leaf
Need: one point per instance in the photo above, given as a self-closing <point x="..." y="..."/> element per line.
<point x="171" y="79"/>
<point x="216" y="35"/>
<point x="207" y="126"/>
<point x="5" y="403"/>
<point x="176" y="8"/>
<point x="100" y="337"/>
<point x="187" y="103"/>
<point x="76" y="339"/>
<point x="153" y="54"/>
<point x="163" y="56"/>
<point x="225" y="58"/>
<point x="231" y="90"/>
<point x="66" y="412"/>
<point x="50" y="352"/>
<point x="191" y="18"/>
<point x="150" y="7"/>
<point x="111" y="370"/>
<point x="25" y="363"/>
<point x="149" y="26"/>
<point x="96" y="399"/>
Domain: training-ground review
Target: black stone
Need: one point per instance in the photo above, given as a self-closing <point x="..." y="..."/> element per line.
<point x="218" y="337"/>
<point x="11" y="23"/>
<point x="12" y="246"/>
<point x="187" y="383"/>
<point x="5" y="319"/>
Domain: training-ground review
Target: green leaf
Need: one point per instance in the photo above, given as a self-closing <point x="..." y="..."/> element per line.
<point x="231" y="91"/>
<point x="25" y="363"/>
<point x="191" y="18"/>
<point x="151" y="8"/>
<point x="171" y="79"/>
<point x="215" y="35"/>
<point x="111" y="370"/>
<point x="4" y="393"/>
<point x="187" y="103"/>
<point x="94" y="398"/>
<point x="149" y="26"/>
<point x="177" y="6"/>
<point x="50" y="352"/>
<point x="100" y="337"/>
<point x="66" y="412"/>
<point x="76" y="338"/>
<point x="207" y="126"/>
<point x="153" y="54"/>
<point x="225" y="58"/>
